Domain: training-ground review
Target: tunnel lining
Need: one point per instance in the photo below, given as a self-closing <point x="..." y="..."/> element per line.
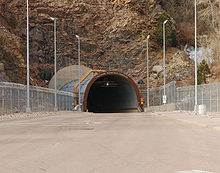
<point x="106" y="75"/>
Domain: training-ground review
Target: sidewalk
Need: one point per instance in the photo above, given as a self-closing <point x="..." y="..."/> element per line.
<point x="210" y="121"/>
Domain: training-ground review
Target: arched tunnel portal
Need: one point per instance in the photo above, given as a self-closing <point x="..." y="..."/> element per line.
<point x="111" y="92"/>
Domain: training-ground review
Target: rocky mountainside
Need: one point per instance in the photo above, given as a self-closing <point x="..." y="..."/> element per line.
<point x="113" y="35"/>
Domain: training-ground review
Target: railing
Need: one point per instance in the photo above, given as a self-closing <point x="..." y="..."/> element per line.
<point x="13" y="98"/>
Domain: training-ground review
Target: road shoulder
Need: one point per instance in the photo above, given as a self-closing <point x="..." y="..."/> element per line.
<point x="208" y="121"/>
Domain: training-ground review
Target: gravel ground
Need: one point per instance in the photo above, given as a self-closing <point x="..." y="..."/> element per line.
<point x="32" y="115"/>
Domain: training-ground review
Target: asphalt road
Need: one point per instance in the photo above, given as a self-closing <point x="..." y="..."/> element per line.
<point x="106" y="143"/>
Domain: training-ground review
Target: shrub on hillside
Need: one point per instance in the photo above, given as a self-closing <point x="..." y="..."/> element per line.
<point x="171" y="36"/>
<point x="203" y="71"/>
<point x="46" y="74"/>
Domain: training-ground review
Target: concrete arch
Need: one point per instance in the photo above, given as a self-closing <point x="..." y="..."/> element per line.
<point x="111" y="92"/>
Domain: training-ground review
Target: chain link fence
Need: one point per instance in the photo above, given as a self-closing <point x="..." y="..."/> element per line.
<point x="156" y="95"/>
<point x="13" y="98"/>
<point x="184" y="97"/>
<point x="208" y="95"/>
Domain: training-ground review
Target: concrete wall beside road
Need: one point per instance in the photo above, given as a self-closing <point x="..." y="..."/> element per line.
<point x="168" y="107"/>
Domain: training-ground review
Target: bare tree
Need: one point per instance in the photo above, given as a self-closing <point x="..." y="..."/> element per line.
<point x="210" y="14"/>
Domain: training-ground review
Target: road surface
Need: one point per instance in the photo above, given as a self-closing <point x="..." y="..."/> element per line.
<point x="106" y="143"/>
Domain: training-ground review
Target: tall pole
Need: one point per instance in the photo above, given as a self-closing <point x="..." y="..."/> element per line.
<point x="148" y="100"/>
<point x="55" y="63"/>
<point x="28" y="66"/>
<point x="79" y="72"/>
<point x="164" y="62"/>
<point x="196" y="77"/>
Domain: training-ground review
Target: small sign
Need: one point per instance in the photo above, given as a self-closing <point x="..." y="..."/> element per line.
<point x="164" y="99"/>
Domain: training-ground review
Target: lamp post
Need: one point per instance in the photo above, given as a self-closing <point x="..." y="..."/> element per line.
<point x="28" y="63"/>
<point x="164" y="62"/>
<point x="148" y="100"/>
<point x="79" y="72"/>
<point x="55" y="62"/>
<point x="195" y="59"/>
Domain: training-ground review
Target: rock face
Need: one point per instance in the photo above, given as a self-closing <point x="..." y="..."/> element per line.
<point x="11" y="55"/>
<point x="157" y="69"/>
<point x="3" y="76"/>
<point x="113" y="37"/>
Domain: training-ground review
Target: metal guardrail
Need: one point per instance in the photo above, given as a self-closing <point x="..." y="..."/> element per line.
<point x="13" y="98"/>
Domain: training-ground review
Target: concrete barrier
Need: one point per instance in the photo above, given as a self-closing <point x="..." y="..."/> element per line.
<point x="163" y="108"/>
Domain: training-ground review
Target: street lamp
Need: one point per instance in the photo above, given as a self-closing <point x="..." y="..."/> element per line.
<point x="28" y="109"/>
<point x="148" y="100"/>
<point x="79" y="72"/>
<point x="195" y="59"/>
<point x="55" y="62"/>
<point x="164" y="62"/>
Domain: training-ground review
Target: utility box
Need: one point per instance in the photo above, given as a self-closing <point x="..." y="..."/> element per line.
<point x="201" y="110"/>
<point x="164" y="99"/>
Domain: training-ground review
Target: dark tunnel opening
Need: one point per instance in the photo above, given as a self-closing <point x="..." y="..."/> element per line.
<point x="112" y="93"/>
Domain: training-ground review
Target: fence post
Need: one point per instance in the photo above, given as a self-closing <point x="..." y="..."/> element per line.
<point x="38" y="98"/>
<point x="176" y="98"/>
<point x="3" y="98"/>
<point x="202" y="96"/>
<point x="174" y="93"/>
<point x="210" y="100"/>
<point x="58" y="101"/>
<point x="11" y="100"/>
<point x="217" y="97"/>
<point x="32" y="99"/>
<point x="18" y="100"/>
<point x="66" y="101"/>
<point x="161" y="97"/>
<point x="178" y="104"/>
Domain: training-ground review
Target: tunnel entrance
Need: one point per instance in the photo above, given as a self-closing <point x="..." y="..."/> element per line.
<point x="111" y="93"/>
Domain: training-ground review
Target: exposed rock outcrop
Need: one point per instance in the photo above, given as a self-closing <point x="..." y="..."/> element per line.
<point x="113" y="36"/>
<point x="3" y="76"/>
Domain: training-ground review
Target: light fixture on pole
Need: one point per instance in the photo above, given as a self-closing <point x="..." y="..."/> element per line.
<point x="55" y="62"/>
<point x="147" y="61"/>
<point x="195" y="59"/>
<point x="164" y="62"/>
<point x="28" y="109"/>
<point x="79" y="73"/>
